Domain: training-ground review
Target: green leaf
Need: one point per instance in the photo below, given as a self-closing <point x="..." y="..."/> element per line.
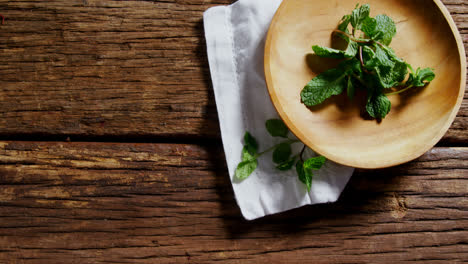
<point x="399" y="72"/>
<point x="246" y="155"/>
<point x="421" y="77"/>
<point x="384" y="30"/>
<point x="250" y="143"/>
<point x="389" y="69"/>
<point x="320" y="88"/>
<point x="391" y="77"/>
<point x="380" y="59"/>
<point x="245" y="169"/>
<point x="305" y="175"/>
<point x="381" y="28"/>
<point x="315" y="163"/>
<point x="331" y="82"/>
<point x="367" y="55"/>
<point x="351" y="50"/>
<point x="326" y="52"/>
<point x="391" y="54"/>
<point x="277" y="128"/>
<point x="378" y="106"/>
<point x="281" y="153"/>
<point x="368" y="26"/>
<point x="358" y="15"/>
<point x="343" y="26"/>
<point x="287" y="165"/>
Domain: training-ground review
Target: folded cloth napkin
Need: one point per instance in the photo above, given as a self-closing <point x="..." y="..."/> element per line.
<point x="235" y="39"/>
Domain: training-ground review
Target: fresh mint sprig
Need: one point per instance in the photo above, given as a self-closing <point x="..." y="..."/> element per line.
<point x="368" y="64"/>
<point x="282" y="155"/>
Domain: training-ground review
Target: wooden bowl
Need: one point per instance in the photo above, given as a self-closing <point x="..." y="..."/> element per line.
<point x="426" y="37"/>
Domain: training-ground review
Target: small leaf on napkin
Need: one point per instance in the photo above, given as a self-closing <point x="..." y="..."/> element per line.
<point x="281" y="153"/>
<point x="305" y="175"/>
<point x="247" y="155"/>
<point x="250" y="143"/>
<point x="277" y="128"/>
<point x="315" y="163"/>
<point x="287" y="165"/>
<point x="245" y="168"/>
<point x="304" y="169"/>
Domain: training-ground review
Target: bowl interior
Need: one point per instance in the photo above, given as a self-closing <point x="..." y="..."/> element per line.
<point x="426" y="37"/>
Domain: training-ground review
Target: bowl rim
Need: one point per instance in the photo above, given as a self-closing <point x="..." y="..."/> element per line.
<point x="430" y="144"/>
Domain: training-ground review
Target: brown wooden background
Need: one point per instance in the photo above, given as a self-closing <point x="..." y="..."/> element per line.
<point x="110" y="152"/>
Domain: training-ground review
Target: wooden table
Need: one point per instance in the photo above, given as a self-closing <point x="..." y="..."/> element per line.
<point x="111" y="153"/>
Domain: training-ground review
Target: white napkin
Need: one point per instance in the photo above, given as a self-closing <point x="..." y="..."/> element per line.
<point x="235" y="38"/>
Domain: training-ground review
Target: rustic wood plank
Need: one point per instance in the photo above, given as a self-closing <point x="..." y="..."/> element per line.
<point x="173" y="203"/>
<point x="84" y="68"/>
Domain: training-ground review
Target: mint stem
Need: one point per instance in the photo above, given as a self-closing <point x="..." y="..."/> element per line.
<point x="362" y="61"/>
<point x="365" y="41"/>
<point x="302" y="153"/>
<point x="358" y="40"/>
<point x="399" y="91"/>
<point x="289" y="141"/>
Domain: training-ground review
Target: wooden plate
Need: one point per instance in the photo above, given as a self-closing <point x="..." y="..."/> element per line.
<point x="426" y="37"/>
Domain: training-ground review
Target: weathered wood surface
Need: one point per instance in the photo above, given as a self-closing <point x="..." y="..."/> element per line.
<point x="97" y="69"/>
<point x="136" y="70"/>
<point x="172" y="203"/>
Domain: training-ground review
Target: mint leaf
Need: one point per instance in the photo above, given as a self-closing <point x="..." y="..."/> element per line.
<point x="328" y="52"/>
<point x="385" y="25"/>
<point x="343" y="26"/>
<point x="320" y="88"/>
<point x="421" y="77"/>
<point x="314" y="163"/>
<point x="380" y="58"/>
<point x="328" y="83"/>
<point x="391" y="54"/>
<point x="378" y="106"/>
<point x="282" y="153"/>
<point x="245" y="169"/>
<point x="390" y="70"/>
<point x="325" y="52"/>
<point x="391" y="77"/>
<point x="369" y="64"/>
<point x="399" y="72"/>
<point x="385" y="29"/>
<point x="358" y="15"/>
<point x="381" y="28"/>
<point x="277" y="128"/>
<point x="287" y="165"/>
<point x="305" y="175"/>
<point x="368" y="26"/>
<point x="351" y="50"/>
<point x="250" y="143"/>
<point x="247" y="155"/>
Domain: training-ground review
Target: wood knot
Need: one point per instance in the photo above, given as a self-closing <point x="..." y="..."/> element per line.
<point x="399" y="207"/>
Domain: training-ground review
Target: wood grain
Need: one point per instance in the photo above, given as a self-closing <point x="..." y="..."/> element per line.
<point x="112" y="69"/>
<point x="171" y="203"/>
<point x="136" y="70"/>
